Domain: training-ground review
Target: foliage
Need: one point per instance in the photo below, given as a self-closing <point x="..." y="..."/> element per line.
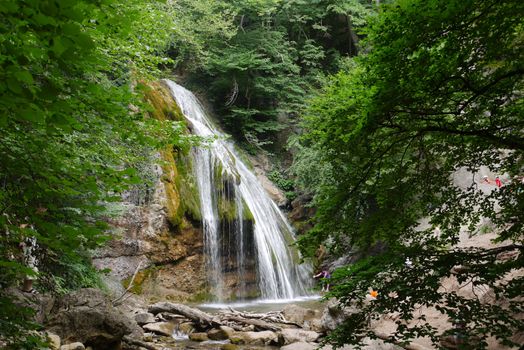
<point x="278" y="53"/>
<point x="438" y="95"/>
<point x="69" y="114"/>
<point x="286" y="184"/>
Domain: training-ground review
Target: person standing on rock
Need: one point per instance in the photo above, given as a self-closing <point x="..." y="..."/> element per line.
<point x="325" y="275"/>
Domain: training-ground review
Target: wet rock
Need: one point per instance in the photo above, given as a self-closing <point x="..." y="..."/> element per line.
<point x="217" y="334"/>
<point x="228" y="330"/>
<point x="300" y="346"/>
<point x="198" y="336"/>
<point x="162" y="328"/>
<point x="144" y="318"/>
<point x="73" y="346"/>
<point x="229" y="347"/>
<point x="186" y="327"/>
<point x="290" y="335"/>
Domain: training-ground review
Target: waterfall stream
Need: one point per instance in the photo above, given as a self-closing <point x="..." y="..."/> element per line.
<point x="247" y="238"/>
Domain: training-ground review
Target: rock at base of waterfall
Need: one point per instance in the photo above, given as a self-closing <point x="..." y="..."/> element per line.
<point x="217" y="334"/>
<point x="292" y="335"/>
<point x="369" y="344"/>
<point x="300" y="346"/>
<point x="198" y="336"/>
<point x="255" y="338"/>
<point x="163" y="328"/>
<point x="299" y="315"/>
<point x="103" y="325"/>
<point x="73" y="346"/>
<point x="144" y="318"/>
<point x="228" y="330"/>
<point x="54" y="341"/>
<point x="335" y="314"/>
<point x="187" y="327"/>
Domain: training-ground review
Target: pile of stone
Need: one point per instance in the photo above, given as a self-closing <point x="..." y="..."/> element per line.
<point x="293" y="328"/>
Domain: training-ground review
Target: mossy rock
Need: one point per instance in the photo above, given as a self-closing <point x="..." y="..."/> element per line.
<point x="227" y="209"/>
<point x="163" y="105"/>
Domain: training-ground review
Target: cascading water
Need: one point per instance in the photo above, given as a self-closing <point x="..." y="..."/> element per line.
<point x="246" y="235"/>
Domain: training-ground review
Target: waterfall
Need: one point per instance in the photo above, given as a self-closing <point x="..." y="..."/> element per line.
<point x="247" y="238"/>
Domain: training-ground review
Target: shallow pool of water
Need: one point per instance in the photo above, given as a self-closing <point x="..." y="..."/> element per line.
<point x="263" y="305"/>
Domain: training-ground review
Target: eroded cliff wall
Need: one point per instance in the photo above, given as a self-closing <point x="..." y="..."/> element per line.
<point x="157" y="245"/>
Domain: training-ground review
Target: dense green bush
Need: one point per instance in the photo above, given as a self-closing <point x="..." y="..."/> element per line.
<point x="439" y="90"/>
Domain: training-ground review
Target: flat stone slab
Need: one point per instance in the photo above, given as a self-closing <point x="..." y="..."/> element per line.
<point x="163" y="328"/>
<point x="300" y="346"/>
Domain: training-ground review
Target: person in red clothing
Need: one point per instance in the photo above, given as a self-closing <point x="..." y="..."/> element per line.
<point x="498" y="182"/>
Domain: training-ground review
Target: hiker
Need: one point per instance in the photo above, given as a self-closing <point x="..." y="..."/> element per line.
<point x="498" y="182"/>
<point x="325" y="275"/>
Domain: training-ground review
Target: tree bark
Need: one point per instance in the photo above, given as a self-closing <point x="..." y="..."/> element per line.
<point x="195" y="315"/>
<point x="257" y="323"/>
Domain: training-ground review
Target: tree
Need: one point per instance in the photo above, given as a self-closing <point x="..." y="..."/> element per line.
<point x="439" y="91"/>
<point x="67" y="125"/>
<point x="278" y="52"/>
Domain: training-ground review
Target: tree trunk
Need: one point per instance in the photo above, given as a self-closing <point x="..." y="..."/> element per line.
<point x="195" y="315"/>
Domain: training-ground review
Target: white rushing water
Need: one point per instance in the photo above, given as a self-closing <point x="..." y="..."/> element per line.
<point x="278" y="274"/>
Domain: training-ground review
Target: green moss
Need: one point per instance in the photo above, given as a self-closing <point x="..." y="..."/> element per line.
<point x="173" y="200"/>
<point x="246" y="213"/>
<point x="218" y="177"/>
<point x="138" y="282"/>
<point x="181" y="190"/>
<point x="202" y="296"/>
<point x="227" y="209"/>
<point x="185" y="182"/>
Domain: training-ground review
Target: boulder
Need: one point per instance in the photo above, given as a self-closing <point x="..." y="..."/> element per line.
<point x="299" y="315"/>
<point x="229" y="347"/>
<point x="73" y="346"/>
<point x="300" y="346"/>
<point x="197" y="336"/>
<point x="54" y="341"/>
<point x="88" y="316"/>
<point x="144" y="318"/>
<point x="334" y="314"/>
<point x="292" y="335"/>
<point x="162" y="328"/>
<point x="186" y="327"/>
<point x="254" y="338"/>
<point x="375" y="344"/>
<point x="217" y="334"/>
<point x="228" y="330"/>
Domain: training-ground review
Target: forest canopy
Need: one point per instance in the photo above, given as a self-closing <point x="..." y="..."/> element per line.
<point x="437" y="96"/>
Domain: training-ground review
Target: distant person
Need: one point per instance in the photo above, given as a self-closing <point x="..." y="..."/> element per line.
<point x="486" y="180"/>
<point x="325" y="275"/>
<point x="498" y="182"/>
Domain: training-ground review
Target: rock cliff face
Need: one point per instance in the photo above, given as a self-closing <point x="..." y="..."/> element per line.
<point x="157" y="249"/>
